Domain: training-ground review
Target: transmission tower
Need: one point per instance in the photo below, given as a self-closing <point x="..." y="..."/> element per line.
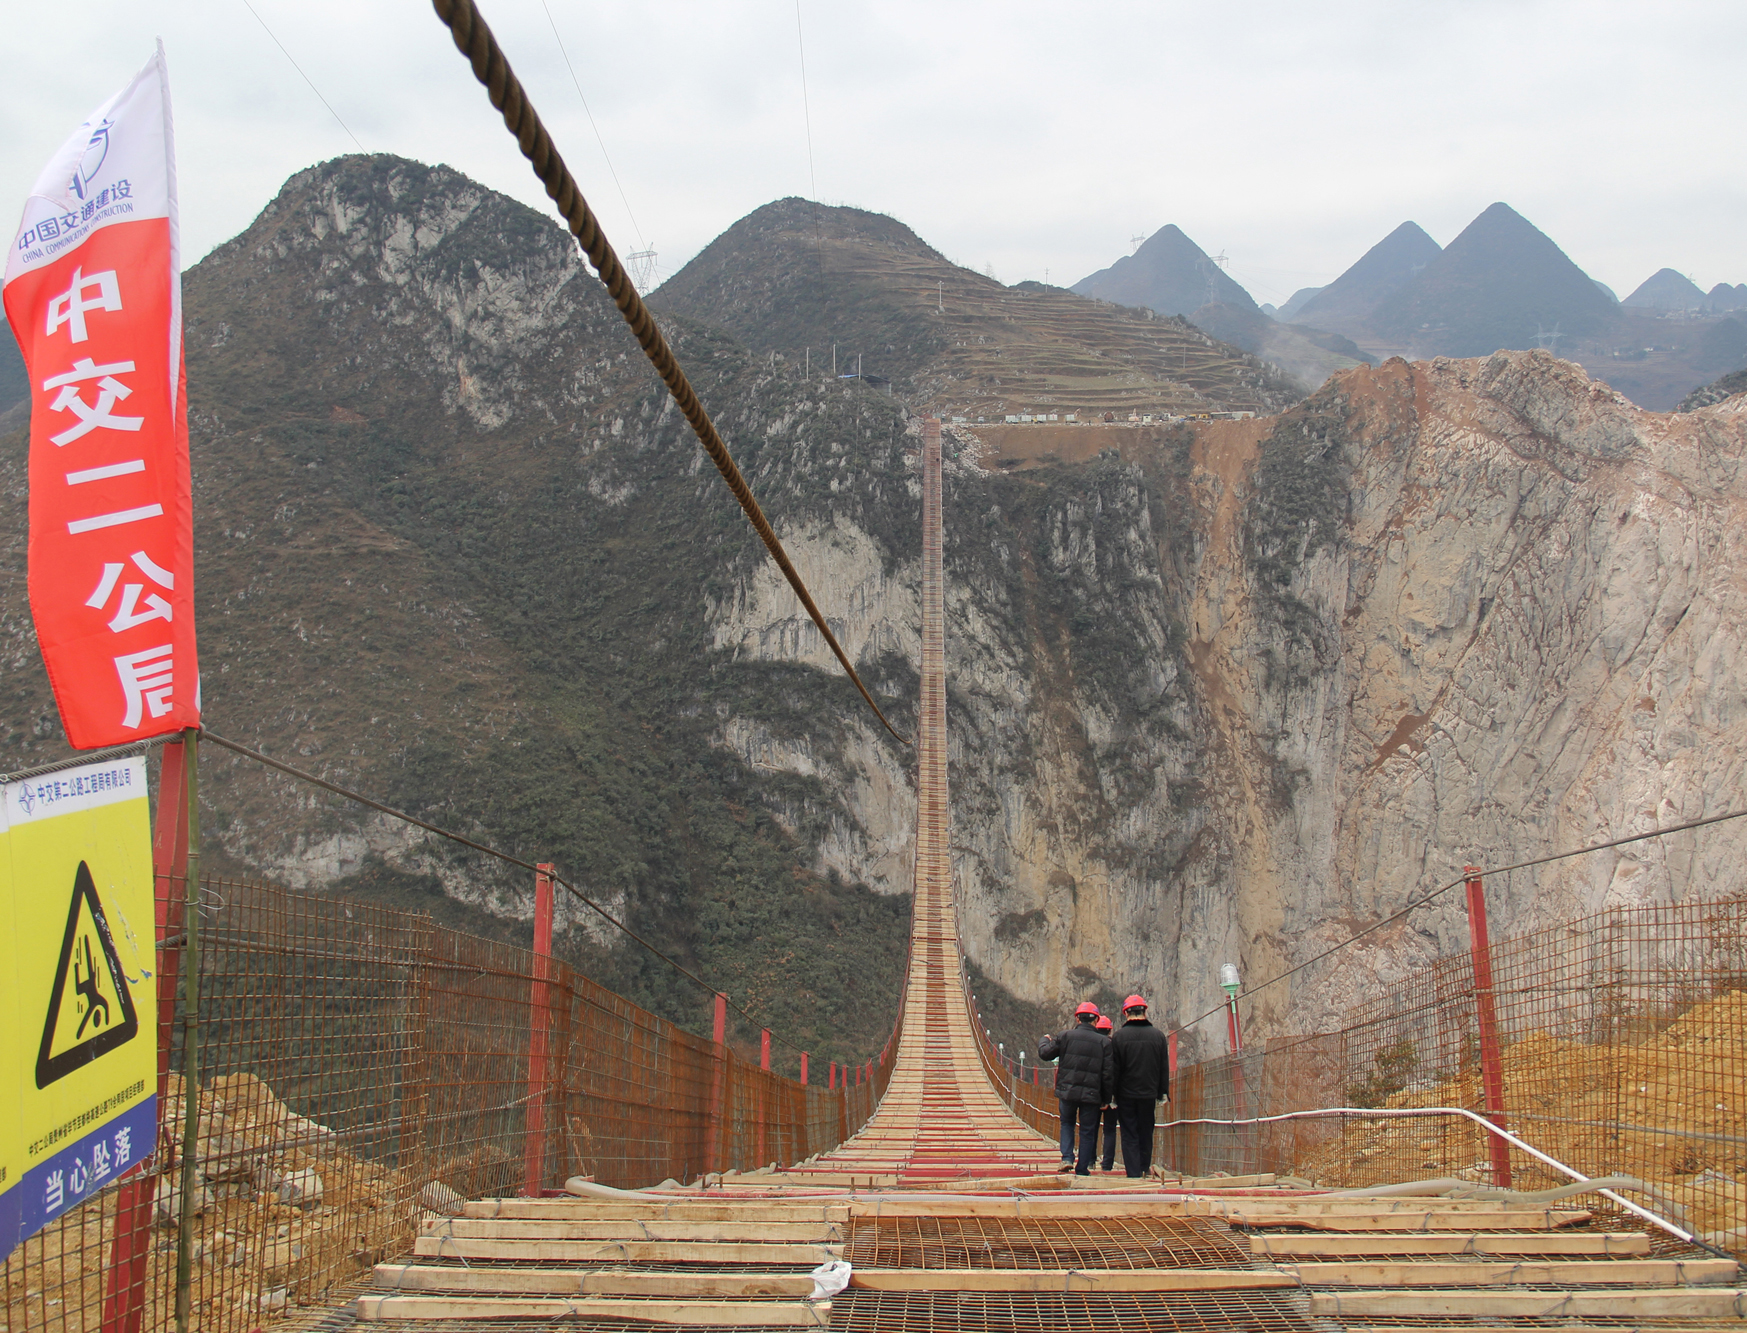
<point x="641" y="266"/>
<point x="1136" y="241"/>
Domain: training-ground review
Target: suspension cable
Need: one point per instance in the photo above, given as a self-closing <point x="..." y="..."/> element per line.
<point x="475" y="41"/>
<point x="1416" y="903"/>
<point x="363" y="800"/>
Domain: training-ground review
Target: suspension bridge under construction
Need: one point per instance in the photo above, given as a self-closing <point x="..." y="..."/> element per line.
<point x="943" y="1211"/>
<point x="366" y="1117"/>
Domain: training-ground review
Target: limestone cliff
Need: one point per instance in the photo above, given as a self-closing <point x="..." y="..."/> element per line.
<point x="1232" y="693"/>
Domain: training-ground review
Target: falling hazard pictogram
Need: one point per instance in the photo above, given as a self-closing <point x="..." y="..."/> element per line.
<point x="90" y="1009"/>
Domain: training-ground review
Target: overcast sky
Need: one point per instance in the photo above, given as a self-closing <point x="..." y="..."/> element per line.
<point x="1034" y="139"/>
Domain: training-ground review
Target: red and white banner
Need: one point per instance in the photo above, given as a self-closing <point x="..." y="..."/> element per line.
<point x="94" y="297"/>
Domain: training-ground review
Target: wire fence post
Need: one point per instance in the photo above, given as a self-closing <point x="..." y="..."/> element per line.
<point x="124" y="1293"/>
<point x="803" y="1069"/>
<point x="718" y="1082"/>
<point x="539" y="1035"/>
<point x="190" y="1032"/>
<point x="1491" y="1057"/>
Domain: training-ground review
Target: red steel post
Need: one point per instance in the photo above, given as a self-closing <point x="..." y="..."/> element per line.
<point x="539" y="1035"/>
<point x="763" y="1087"/>
<point x="832" y="1085"/>
<point x="803" y="1069"/>
<point x="718" y="1083"/>
<point x="1491" y="1056"/>
<point x="124" y="1285"/>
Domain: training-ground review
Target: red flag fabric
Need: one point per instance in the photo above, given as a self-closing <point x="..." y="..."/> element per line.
<point x="94" y="297"/>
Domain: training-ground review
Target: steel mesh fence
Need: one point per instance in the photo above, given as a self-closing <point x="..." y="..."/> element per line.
<point x="1622" y="1050"/>
<point x="360" y="1066"/>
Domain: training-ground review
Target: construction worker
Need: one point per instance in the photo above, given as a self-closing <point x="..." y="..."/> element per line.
<point x="1108" y="1137"/>
<point x="1084" y="1077"/>
<point x="1143" y="1079"/>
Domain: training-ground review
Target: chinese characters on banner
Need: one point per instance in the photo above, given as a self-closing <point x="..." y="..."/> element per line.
<point x="93" y="294"/>
<point x="78" y="1053"/>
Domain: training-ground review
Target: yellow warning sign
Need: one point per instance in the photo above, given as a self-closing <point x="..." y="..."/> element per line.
<point x="90" y="1008"/>
<point x="78" y="1049"/>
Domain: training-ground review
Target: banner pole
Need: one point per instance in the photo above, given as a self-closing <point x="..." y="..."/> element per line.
<point x="190" y="1034"/>
<point x="124" y="1292"/>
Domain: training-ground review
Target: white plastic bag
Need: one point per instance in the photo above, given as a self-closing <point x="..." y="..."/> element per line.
<point x="829" y="1278"/>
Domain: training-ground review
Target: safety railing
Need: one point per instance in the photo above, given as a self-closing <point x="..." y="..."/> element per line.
<point x="360" y="1066"/>
<point x="1615" y="1043"/>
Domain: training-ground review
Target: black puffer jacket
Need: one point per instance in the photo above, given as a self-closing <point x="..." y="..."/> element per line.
<point x="1087" y="1071"/>
<point x="1143" y="1061"/>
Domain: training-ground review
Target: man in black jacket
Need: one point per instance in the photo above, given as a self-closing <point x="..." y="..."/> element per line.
<point x="1084" y="1076"/>
<point x="1143" y="1079"/>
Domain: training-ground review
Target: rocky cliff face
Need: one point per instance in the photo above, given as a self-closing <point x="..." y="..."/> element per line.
<point x="1231" y="694"/>
<point x="1224" y="692"/>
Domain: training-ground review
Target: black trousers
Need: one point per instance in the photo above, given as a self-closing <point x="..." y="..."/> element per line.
<point x="1136" y="1116"/>
<point x="1109" y="1144"/>
<point x="1085" y="1115"/>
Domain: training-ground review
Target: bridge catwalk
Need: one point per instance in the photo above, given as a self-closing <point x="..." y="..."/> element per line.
<point x="940" y="1115"/>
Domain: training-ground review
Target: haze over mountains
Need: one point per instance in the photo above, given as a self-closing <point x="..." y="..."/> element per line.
<point x="1501" y="283"/>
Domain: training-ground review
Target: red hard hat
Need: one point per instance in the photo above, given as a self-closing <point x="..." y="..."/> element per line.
<point x="1133" y="1002"/>
<point x="1103" y="1024"/>
<point x="1086" y="1007"/>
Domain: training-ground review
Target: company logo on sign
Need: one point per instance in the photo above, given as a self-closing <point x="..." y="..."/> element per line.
<point x="92" y="162"/>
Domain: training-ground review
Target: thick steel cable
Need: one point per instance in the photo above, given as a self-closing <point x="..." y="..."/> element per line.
<point x="363" y="800"/>
<point x="474" y="40"/>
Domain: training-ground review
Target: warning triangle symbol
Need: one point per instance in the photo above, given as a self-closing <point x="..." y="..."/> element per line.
<point x="90" y="1009"/>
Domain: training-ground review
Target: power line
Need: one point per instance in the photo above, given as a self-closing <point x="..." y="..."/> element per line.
<point x="642" y="241"/>
<point x="464" y="841"/>
<point x="1417" y="903"/>
<point x="311" y="82"/>
<point x="806" y="107"/>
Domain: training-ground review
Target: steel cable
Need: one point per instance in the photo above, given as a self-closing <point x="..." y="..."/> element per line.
<point x="475" y="41"/>
<point x="465" y="841"/>
<point x="1415" y="904"/>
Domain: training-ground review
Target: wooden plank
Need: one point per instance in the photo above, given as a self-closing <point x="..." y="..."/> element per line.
<point x="624" y="1251"/>
<point x="1570" y="1242"/>
<point x="1581" y="1273"/>
<point x="467" y="1228"/>
<point x="680" y="1210"/>
<point x="1067" y="1205"/>
<point x="787" y="1314"/>
<point x="1314" y="1207"/>
<point x="1069" y="1279"/>
<point x="572" y="1282"/>
<point x="1691" y="1303"/>
<point x="1404" y="1221"/>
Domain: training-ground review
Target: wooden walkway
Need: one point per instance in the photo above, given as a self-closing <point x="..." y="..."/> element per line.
<point x="1193" y="1258"/>
<point x="940" y="1117"/>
